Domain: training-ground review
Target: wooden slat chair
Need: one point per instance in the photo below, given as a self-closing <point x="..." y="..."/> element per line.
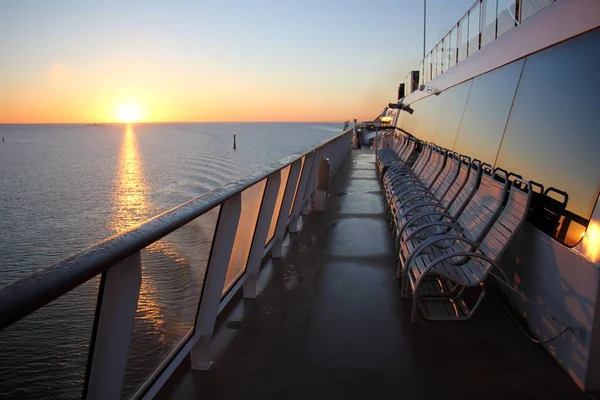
<point x="400" y="155"/>
<point x="457" y="199"/>
<point x="401" y="164"/>
<point x="397" y="172"/>
<point x="466" y="263"/>
<point x="399" y="180"/>
<point x="401" y="170"/>
<point x="439" y="199"/>
<point x="434" y="192"/>
<point x="399" y="185"/>
<point x="472" y="223"/>
<point x="387" y="154"/>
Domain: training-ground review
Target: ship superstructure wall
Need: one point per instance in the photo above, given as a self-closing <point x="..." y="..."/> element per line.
<point x="534" y="112"/>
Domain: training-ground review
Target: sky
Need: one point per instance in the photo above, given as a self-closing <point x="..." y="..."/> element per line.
<point x="243" y="60"/>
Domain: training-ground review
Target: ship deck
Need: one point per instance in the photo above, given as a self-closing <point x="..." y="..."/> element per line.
<point x="330" y="323"/>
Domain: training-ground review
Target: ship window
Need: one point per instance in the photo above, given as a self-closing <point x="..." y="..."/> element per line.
<point x="440" y="57"/>
<point x="530" y="7"/>
<point x="455" y="99"/>
<point x="474" y="28"/>
<point x="434" y="62"/>
<point x="507" y="16"/>
<point x="556" y="143"/>
<point x="447" y="49"/>
<point x="453" y="46"/>
<point x="423" y="120"/>
<point x="489" y="21"/>
<point x="486" y="112"/>
<point x="463" y="35"/>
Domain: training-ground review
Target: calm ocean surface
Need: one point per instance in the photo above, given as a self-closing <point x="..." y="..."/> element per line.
<point x="66" y="187"/>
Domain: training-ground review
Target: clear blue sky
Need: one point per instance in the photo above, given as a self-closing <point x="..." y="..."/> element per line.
<point x="67" y="61"/>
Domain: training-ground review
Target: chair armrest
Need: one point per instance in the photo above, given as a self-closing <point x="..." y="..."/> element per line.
<point x="436" y="205"/>
<point x="431" y="241"/>
<point x="422" y="214"/>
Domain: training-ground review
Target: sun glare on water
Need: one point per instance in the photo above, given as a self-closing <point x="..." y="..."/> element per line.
<point x="129" y="113"/>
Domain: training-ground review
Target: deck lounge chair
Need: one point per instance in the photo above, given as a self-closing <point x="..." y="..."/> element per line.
<point x="466" y="263"/>
<point x="435" y="192"/>
<point x="472" y="223"/>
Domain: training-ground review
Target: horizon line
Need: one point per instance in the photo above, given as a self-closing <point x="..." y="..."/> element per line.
<point x="169" y="122"/>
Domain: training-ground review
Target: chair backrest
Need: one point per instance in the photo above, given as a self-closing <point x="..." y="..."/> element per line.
<point x="400" y="142"/>
<point x="439" y="169"/>
<point x="404" y="156"/>
<point x="401" y="145"/>
<point x="509" y="221"/>
<point x="433" y="167"/>
<point x="486" y="204"/>
<point x="423" y="158"/>
<point x="448" y="175"/>
<point x="462" y="174"/>
<point x="466" y="191"/>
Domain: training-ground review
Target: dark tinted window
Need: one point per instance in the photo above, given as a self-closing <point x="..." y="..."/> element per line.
<point x="455" y="99"/>
<point x="486" y="113"/>
<point x="555" y="139"/>
<point x="424" y="118"/>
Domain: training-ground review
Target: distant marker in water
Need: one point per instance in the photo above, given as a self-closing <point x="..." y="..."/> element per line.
<point x="234" y="144"/>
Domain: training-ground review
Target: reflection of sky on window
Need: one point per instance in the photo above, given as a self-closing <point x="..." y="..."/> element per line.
<point x="554" y="140"/>
<point x="451" y="115"/>
<point x="487" y="111"/>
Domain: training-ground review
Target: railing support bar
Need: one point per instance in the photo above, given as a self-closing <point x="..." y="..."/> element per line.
<point x="286" y="203"/>
<point x="120" y="289"/>
<point x="263" y="223"/>
<point x="311" y="185"/>
<point x="299" y="199"/>
<point x="215" y="280"/>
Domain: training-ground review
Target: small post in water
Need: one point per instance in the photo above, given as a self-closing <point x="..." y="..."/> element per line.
<point x="234" y="145"/>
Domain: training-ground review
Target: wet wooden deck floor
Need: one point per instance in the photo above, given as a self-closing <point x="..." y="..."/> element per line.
<point x="330" y="324"/>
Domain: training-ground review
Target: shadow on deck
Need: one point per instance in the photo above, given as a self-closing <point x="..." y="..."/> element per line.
<point x="330" y="324"/>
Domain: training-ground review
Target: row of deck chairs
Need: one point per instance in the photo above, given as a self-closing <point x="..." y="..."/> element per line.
<point x="452" y="218"/>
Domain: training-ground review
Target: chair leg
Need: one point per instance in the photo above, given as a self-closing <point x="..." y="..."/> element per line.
<point x="413" y="314"/>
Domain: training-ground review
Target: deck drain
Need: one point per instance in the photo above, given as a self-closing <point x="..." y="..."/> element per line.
<point x="235" y="325"/>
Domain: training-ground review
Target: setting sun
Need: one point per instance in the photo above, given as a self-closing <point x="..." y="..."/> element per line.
<point x="128" y="113"/>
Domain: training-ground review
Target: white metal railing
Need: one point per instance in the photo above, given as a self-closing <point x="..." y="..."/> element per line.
<point x="118" y="261"/>
<point x="485" y="21"/>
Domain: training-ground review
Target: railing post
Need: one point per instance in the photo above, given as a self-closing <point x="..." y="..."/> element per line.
<point x="119" y="292"/>
<point x="263" y="223"/>
<point x="286" y="203"/>
<point x="311" y="184"/>
<point x="299" y="199"/>
<point x="322" y="185"/>
<point x="220" y="254"/>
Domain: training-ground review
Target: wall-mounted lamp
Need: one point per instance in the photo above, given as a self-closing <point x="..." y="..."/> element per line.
<point x="400" y="106"/>
<point x="429" y="89"/>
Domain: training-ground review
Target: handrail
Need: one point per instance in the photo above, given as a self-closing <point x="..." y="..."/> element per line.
<point x="426" y="61"/>
<point x="28" y="294"/>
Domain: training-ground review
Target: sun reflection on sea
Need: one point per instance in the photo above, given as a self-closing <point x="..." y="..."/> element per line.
<point x="130" y="208"/>
<point x="130" y="204"/>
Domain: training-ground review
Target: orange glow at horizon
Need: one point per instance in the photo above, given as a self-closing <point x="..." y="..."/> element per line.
<point x="124" y="91"/>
